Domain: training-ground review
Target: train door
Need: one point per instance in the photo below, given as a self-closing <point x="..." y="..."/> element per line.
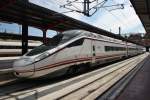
<point x="93" y="52"/>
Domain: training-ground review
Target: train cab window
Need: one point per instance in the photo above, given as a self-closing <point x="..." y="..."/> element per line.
<point x="76" y="43"/>
<point x="54" y="42"/>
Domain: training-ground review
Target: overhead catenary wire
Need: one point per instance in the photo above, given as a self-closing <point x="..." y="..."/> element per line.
<point x="79" y="11"/>
<point x="89" y="11"/>
<point x="121" y="10"/>
<point x="118" y="18"/>
<point x="127" y="2"/>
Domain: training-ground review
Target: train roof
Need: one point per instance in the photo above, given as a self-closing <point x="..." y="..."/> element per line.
<point x="89" y="34"/>
<point x="73" y="32"/>
<point x="80" y="32"/>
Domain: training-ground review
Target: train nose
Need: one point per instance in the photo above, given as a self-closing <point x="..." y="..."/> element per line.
<point x="23" y="68"/>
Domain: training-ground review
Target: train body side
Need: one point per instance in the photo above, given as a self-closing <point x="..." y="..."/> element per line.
<point x="81" y="50"/>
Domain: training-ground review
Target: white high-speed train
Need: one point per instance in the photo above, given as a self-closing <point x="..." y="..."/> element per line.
<point x="70" y="49"/>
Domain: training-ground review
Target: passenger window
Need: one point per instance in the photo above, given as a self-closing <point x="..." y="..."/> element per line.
<point x="76" y="43"/>
<point x="93" y="48"/>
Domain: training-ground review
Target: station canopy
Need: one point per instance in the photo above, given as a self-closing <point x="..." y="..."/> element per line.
<point x="24" y="12"/>
<point x="142" y="8"/>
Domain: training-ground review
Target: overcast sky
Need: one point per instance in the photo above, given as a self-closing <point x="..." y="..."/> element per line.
<point x="104" y="18"/>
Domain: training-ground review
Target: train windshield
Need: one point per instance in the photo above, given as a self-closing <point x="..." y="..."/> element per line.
<point x="53" y="42"/>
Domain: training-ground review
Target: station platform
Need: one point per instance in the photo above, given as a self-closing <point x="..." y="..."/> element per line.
<point x="139" y="87"/>
<point x="6" y="62"/>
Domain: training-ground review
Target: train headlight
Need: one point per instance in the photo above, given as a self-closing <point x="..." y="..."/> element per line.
<point x="22" y="62"/>
<point x="42" y="56"/>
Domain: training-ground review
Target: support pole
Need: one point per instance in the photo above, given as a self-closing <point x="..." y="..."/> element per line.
<point x="24" y="29"/>
<point x="44" y="37"/>
<point x="24" y="38"/>
<point x="86" y="7"/>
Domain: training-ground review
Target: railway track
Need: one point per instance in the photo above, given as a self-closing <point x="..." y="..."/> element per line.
<point x="92" y="87"/>
<point x="87" y="86"/>
<point x="116" y="89"/>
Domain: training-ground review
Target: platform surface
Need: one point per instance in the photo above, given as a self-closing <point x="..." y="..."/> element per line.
<point x="139" y="87"/>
